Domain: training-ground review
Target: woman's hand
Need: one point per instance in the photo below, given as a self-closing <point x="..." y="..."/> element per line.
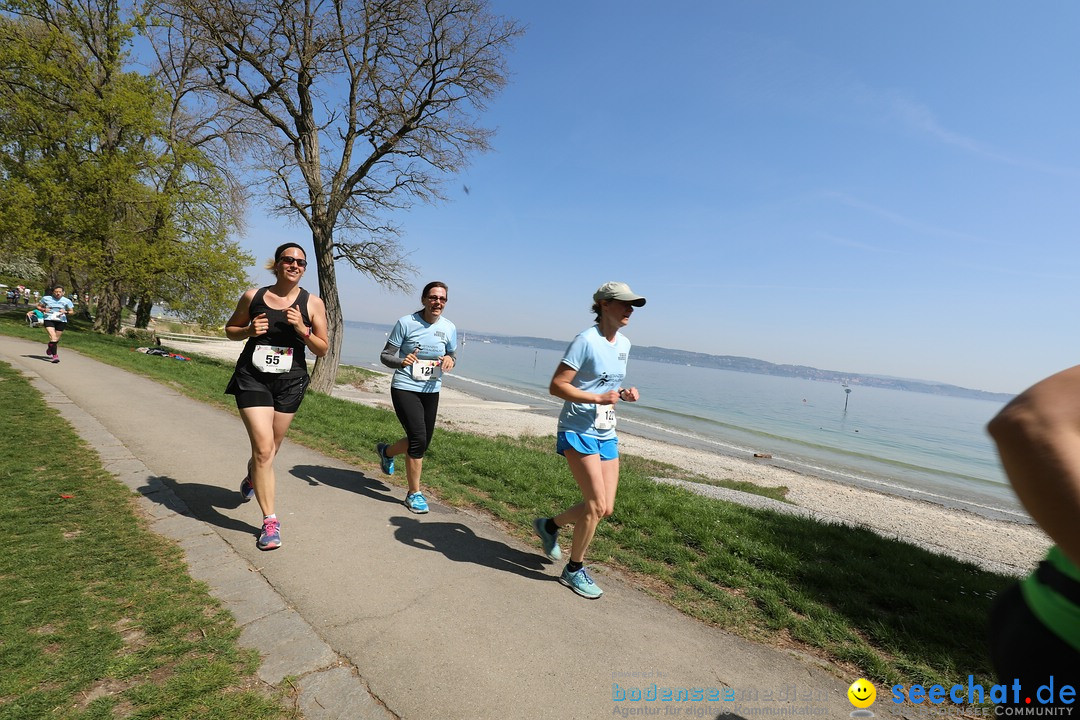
<point x="609" y="398"/>
<point x="629" y="394"/>
<point x="411" y="357"/>
<point x="447" y="363"/>
<point x="260" y="325"/>
<point x="296" y="319"/>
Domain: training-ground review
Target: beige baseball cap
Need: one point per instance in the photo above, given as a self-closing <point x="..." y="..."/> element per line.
<point x="618" y="291"/>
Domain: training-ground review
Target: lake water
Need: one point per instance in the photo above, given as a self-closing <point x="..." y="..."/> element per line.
<point x="931" y="447"/>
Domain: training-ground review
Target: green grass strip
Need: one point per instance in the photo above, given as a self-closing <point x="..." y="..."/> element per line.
<point x="98" y="617"/>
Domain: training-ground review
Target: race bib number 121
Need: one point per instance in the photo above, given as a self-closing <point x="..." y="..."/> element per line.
<point x="424" y="370"/>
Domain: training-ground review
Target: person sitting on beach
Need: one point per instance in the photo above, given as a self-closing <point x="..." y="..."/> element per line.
<point x="589" y="381"/>
<point x="280" y="323"/>
<point x="421" y="347"/>
<point x="1035" y="624"/>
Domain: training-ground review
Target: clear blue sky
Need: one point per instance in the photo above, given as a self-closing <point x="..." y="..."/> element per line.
<point x="886" y="188"/>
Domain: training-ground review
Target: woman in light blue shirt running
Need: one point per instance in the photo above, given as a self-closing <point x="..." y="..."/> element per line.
<point x="55" y="308"/>
<point x="589" y="380"/>
<point x="421" y="347"/>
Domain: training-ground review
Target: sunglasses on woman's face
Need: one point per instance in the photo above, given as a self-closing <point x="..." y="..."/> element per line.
<point x="290" y="260"/>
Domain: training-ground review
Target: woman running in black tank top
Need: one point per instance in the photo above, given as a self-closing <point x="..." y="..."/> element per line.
<point x="281" y="323"/>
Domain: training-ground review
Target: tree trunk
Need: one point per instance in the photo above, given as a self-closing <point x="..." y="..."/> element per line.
<point x="82" y="308"/>
<point x="325" y="374"/>
<point x="108" y="315"/>
<point x="142" y="312"/>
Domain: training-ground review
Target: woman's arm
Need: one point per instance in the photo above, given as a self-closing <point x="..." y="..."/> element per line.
<point x="240" y="326"/>
<point x="316" y="338"/>
<point x="389" y="357"/>
<point x="562" y="387"/>
<point x="1038" y="439"/>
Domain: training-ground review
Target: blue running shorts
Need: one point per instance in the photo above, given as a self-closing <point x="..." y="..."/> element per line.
<point x="606" y="449"/>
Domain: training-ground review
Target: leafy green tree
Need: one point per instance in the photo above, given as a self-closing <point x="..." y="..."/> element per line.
<point x="351" y="110"/>
<point x="112" y="188"/>
<point x="91" y="123"/>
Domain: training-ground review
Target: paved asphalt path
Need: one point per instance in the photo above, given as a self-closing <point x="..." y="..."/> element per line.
<point x="379" y="613"/>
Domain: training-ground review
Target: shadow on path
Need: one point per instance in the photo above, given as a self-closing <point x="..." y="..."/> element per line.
<point x="459" y="543"/>
<point x="203" y="501"/>
<point x="349" y="480"/>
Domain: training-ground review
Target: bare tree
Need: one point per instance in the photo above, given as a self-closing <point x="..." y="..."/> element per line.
<point x="353" y="109"/>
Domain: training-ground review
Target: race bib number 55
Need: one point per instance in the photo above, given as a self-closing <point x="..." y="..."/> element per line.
<point x="272" y="359"/>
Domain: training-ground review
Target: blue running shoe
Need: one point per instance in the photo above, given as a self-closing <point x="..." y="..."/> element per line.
<point x="416" y="502"/>
<point x="247" y="490"/>
<point x="581" y="583"/>
<point x="271" y="535"/>
<point x="549" y="541"/>
<point x="386" y="462"/>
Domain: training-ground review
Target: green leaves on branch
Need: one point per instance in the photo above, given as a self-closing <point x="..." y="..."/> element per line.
<point x="106" y="190"/>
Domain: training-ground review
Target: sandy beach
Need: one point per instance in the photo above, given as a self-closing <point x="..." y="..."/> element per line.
<point x="1005" y="547"/>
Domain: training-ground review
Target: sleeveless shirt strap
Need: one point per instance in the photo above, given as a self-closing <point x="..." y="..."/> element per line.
<point x="302" y="304"/>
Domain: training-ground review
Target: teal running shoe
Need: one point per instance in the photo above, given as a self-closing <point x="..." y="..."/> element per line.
<point x="549" y="541"/>
<point x="416" y="502"/>
<point x="581" y="583"/>
<point x="386" y="462"/>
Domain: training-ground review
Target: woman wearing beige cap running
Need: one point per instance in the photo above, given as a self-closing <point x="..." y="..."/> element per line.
<point x="589" y="380"/>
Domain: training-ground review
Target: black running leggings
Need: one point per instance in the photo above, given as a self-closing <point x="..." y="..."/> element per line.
<point x="416" y="412"/>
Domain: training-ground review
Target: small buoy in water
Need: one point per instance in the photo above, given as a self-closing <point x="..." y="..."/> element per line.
<point x="762" y="455"/>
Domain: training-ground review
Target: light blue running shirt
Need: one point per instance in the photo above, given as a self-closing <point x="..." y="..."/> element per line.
<point x="53" y="307"/>
<point x="601" y="367"/>
<point x="434" y="340"/>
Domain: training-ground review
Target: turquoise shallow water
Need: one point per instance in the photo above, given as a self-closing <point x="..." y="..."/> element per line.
<point x="914" y="444"/>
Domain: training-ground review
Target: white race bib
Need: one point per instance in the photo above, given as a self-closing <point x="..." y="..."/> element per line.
<point x="272" y="359"/>
<point x="605" y="417"/>
<point x="424" y="370"/>
<point x="54" y="315"/>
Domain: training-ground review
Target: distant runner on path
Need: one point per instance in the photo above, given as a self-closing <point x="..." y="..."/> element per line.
<point x="55" y="308"/>
<point x="421" y="347"/>
<point x="280" y="323"/>
<point x="1035" y="624"/>
<point x="589" y="381"/>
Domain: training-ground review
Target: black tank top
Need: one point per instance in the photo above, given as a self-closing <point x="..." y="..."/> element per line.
<point x="280" y="334"/>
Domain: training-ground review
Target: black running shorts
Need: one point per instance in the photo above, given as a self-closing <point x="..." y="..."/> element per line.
<point x="252" y="389"/>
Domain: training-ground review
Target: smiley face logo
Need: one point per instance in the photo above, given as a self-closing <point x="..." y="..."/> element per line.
<point x="862" y="693"/>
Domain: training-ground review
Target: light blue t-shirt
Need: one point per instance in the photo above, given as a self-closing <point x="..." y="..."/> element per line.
<point x="601" y="367"/>
<point x="434" y="340"/>
<point x="53" y="307"/>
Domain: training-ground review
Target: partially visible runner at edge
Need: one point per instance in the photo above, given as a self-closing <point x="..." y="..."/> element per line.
<point x="589" y="380"/>
<point x="421" y="347"/>
<point x="1035" y="623"/>
<point x="280" y="322"/>
<point x="55" y="308"/>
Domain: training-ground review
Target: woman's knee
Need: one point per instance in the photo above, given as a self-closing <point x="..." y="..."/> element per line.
<point x="263" y="453"/>
<point x="596" y="510"/>
<point x="417" y="447"/>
